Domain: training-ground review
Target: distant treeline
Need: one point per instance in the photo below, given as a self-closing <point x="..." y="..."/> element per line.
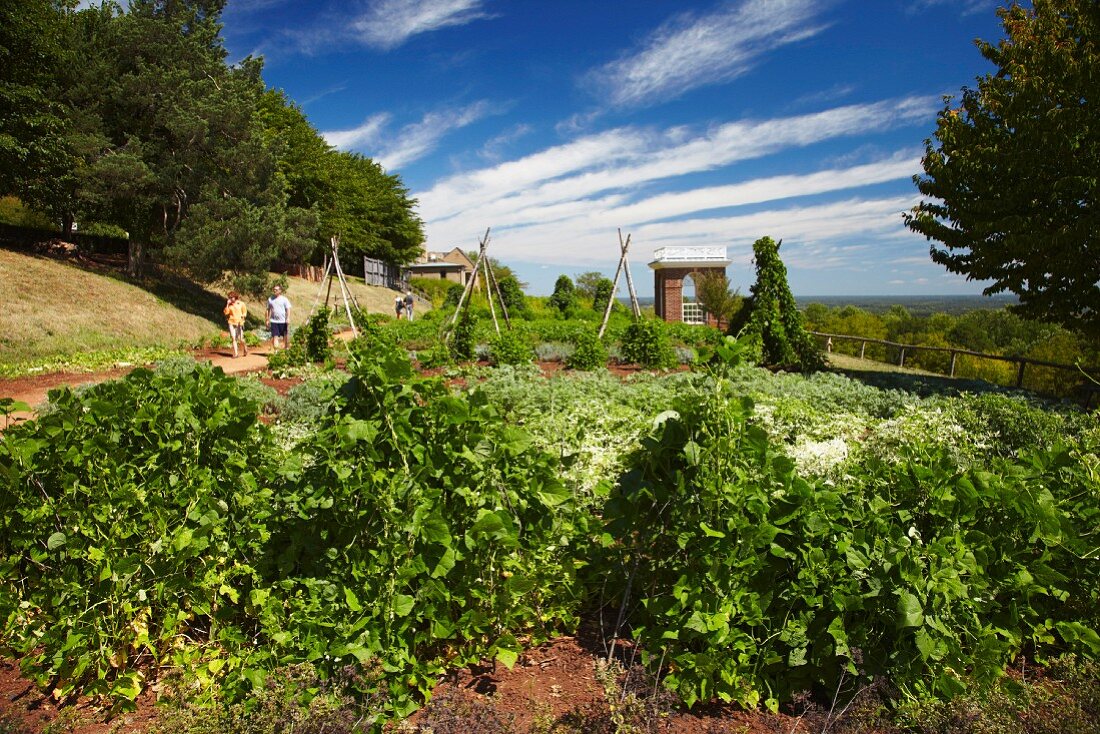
<point x="991" y="331"/>
<point x="915" y="305"/>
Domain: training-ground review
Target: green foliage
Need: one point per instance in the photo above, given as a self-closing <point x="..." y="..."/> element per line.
<point x="312" y="344"/>
<point x="586" y="284"/>
<point x="463" y="343"/>
<point x="512" y="294"/>
<point x="771" y="319"/>
<point x="313" y="399"/>
<point x="453" y="295"/>
<point x="233" y="555"/>
<point x="564" y="297"/>
<point x="510" y="347"/>
<point x="751" y="583"/>
<point x="646" y="343"/>
<point x="713" y="291"/>
<point x="438" y="291"/>
<point x="603" y="291"/>
<point x="589" y="353"/>
<point x="1013" y="165"/>
<point x="992" y="331"/>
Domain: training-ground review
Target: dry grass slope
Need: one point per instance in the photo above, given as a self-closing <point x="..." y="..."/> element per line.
<point x="50" y="308"/>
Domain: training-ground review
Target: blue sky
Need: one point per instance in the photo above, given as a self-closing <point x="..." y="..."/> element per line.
<point x="683" y="123"/>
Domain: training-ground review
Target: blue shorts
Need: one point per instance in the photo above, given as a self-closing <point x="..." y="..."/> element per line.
<point x="278" y="329"/>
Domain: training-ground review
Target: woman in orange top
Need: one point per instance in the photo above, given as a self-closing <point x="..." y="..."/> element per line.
<point x="236" y="312"/>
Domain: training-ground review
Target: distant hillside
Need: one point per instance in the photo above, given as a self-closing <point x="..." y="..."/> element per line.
<point x="915" y="305"/>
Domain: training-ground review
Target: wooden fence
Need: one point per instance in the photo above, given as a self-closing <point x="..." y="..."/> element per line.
<point x="384" y="274"/>
<point x="1023" y="362"/>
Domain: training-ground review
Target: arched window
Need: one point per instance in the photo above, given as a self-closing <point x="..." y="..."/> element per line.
<point x="692" y="309"/>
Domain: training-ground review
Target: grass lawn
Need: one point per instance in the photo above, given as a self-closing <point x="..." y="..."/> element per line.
<point x="52" y="309"/>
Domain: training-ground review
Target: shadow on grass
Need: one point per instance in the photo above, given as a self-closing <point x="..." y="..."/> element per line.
<point x="925" y="385"/>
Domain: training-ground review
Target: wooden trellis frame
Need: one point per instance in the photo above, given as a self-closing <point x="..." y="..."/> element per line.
<point x="490" y="284"/>
<point x="624" y="264"/>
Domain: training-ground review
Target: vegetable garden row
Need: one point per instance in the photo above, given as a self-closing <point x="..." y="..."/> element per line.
<point x="756" y="534"/>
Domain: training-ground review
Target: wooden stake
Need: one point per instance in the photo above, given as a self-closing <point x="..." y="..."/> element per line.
<point x="634" y="306"/>
<point x="484" y="261"/>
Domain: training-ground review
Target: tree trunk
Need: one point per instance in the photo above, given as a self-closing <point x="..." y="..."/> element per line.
<point x="67" y="222"/>
<point x="136" y="261"/>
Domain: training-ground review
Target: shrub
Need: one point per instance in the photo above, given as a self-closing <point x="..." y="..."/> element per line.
<point x="313" y="398"/>
<point x="512" y="295"/>
<point x="454" y="295"/>
<point x="510" y="348"/>
<point x="564" y="297"/>
<point x="436" y="356"/>
<point x="646" y="343"/>
<point x="589" y="353"/>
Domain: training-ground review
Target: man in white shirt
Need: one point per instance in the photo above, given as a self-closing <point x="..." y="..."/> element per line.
<point x="278" y="318"/>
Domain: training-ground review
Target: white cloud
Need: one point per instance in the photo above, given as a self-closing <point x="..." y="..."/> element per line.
<point x="965" y="7"/>
<point x="412" y="141"/>
<point x="389" y="23"/>
<point x="417" y="140"/>
<point x="364" y="135"/>
<point x="625" y="159"/>
<point x="494" y="148"/>
<point x="691" y="51"/>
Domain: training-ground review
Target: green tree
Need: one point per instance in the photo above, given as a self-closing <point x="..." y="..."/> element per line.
<point x="1013" y="171"/>
<point x="587" y="284"/>
<point x="603" y="291"/>
<point x="33" y="53"/>
<point x="370" y="210"/>
<point x="713" y="290"/>
<point x="564" y="297"/>
<point x="771" y="321"/>
<point x="511" y="292"/>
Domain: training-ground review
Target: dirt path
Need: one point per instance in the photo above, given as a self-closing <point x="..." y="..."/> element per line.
<point x="34" y="389"/>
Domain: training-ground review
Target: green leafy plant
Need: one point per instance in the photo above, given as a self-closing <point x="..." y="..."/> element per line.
<point x="510" y="347"/>
<point x="646" y="343"/>
<point x="589" y="352"/>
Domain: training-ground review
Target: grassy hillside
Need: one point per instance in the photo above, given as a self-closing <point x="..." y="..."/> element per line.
<point x="54" y="311"/>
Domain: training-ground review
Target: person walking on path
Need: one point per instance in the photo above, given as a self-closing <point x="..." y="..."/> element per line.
<point x="409" y="305"/>
<point x="278" y="318"/>
<point x="236" y="312"/>
<point x="399" y="307"/>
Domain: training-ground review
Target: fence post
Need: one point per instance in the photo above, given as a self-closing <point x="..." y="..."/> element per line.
<point x="1020" y="374"/>
<point x="954" y="355"/>
<point x="862" y="347"/>
<point x="901" y="361"/>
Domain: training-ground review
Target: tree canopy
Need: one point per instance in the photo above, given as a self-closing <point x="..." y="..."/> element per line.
<point x="153" y="132"/>
<point x="1013" y="169"/>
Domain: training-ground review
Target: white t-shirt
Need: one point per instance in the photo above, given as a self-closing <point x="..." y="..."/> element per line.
<point x="279" y="308"/>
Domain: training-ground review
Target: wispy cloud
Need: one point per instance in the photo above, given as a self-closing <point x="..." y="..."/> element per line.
<point x="363" y="136"/>
<point x="625" y="159"/>
<point x="693" y="50"/>
<point x="388" y="24"/>
<point x="964" y="7"/>
<point x="410" y="142"/>
<point x="563" y="204"/>
<point x="493" y="149"/>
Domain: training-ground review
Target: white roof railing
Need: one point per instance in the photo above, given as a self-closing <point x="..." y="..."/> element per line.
<point x="689" y="254"/>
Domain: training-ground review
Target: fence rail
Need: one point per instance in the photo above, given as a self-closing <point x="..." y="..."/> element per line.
<point x="955" y="352"/>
